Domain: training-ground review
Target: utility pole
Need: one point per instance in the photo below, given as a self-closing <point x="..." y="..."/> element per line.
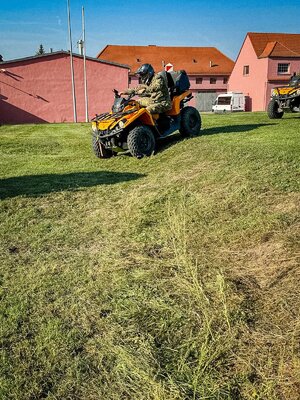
<point x="71" y="62"/>
<point x="84" y="68"/>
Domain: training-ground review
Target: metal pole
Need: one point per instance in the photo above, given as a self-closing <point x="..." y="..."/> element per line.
<point x="71" y="61"/>
<point x="84" y="69"/>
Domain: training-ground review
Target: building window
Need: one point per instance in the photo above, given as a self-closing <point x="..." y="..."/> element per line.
<point x="283" y="69"/>
<point x="225" y="81"/>
<point x="246" y="70"/>
<point x="129" y="80"/>
<point x="198" y="81"/>
<point x="213" y="81"/>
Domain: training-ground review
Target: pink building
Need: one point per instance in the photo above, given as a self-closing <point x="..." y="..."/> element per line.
<point x="265" y="61"/>
<point x="207" y="67"/>
<point x="38" y="89"/>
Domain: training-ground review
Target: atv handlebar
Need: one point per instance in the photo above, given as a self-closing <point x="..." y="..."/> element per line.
<point x="117" y="95"/>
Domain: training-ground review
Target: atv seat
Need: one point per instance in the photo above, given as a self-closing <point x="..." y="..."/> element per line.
<point x="169" y="81"/>
<point x="177" y="82"/>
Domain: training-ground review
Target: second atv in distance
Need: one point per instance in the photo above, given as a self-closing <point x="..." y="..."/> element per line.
<point x="285" y="98"/>
<point x="130" y="127"/>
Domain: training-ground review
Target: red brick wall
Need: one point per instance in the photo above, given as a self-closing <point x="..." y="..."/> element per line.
<point x="39" y="90"/>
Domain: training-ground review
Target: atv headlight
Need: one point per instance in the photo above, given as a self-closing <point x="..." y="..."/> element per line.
<point x="122" y="123"/>
<point x="274" y="92"/>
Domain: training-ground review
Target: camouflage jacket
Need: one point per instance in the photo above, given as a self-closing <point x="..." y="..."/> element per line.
<point x="157" y="91"/>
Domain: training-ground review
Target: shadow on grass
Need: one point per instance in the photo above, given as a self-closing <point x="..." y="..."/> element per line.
<point x="37" y="185"/>
<point x="233" y="129"/>
<point x="171" y="140"/>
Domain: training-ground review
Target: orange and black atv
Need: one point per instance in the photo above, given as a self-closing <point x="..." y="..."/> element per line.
<point x="285" y="98"/>
<point x="130" y="127"/>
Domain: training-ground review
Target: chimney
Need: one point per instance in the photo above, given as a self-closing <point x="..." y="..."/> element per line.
<point x="80" y="47"/>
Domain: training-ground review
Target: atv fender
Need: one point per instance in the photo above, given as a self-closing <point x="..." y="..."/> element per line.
<point x="143" y="115"/>
<point x="175" y="110"/>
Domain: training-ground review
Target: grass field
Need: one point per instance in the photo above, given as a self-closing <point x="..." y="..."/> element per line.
<point x="172" y="277"/>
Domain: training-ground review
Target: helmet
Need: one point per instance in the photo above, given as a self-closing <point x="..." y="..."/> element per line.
<point x="146" y="72"/>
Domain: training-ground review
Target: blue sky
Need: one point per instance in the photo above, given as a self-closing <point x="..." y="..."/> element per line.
<point x="24" y="25"/>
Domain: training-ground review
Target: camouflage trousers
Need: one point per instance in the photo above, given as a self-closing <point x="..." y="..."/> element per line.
<point x="155" y="108"/>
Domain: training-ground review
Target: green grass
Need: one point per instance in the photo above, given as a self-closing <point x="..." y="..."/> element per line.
<point x="173" y="277"/>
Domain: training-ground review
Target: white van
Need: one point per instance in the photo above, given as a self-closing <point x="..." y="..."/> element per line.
<point x="229" y="102"/>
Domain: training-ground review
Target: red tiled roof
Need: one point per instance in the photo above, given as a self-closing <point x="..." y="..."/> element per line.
<point x="275" y="44"/>
<point x="195" y="60"/>
<point x="268" y="49"/>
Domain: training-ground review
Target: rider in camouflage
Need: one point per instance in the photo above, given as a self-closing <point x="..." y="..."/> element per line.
<point x="153" y="89"/>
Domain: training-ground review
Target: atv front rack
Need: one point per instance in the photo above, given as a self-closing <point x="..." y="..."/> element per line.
<point x="114" y="116"/>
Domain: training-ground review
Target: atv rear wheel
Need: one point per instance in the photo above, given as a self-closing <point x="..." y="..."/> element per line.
<point x="99" y="149"/>
<point x="273" y="112"/>
<point x="190" y="124"/>
<point x="141" y="141"/>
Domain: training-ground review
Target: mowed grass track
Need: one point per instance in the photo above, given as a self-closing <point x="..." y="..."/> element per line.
<point x="173" y="277"/>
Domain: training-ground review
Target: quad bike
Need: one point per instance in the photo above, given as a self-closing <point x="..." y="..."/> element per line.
<point x="130" y="127"/>
<point x="285" y="98"/>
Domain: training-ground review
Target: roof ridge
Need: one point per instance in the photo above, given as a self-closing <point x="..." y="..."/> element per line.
<point x="272" y="33"/>
<point x="63" y="52"/>
<point x="154" y="45"/>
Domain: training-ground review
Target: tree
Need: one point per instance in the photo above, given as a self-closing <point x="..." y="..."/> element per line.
<point x="40" y="50"/>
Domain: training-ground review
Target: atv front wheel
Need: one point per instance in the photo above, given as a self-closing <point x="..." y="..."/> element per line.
<point x="141" y="141"/>
<point x="190" y="124"/>
<point x="273" y="112"/>
<point x="99" y="149"/>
